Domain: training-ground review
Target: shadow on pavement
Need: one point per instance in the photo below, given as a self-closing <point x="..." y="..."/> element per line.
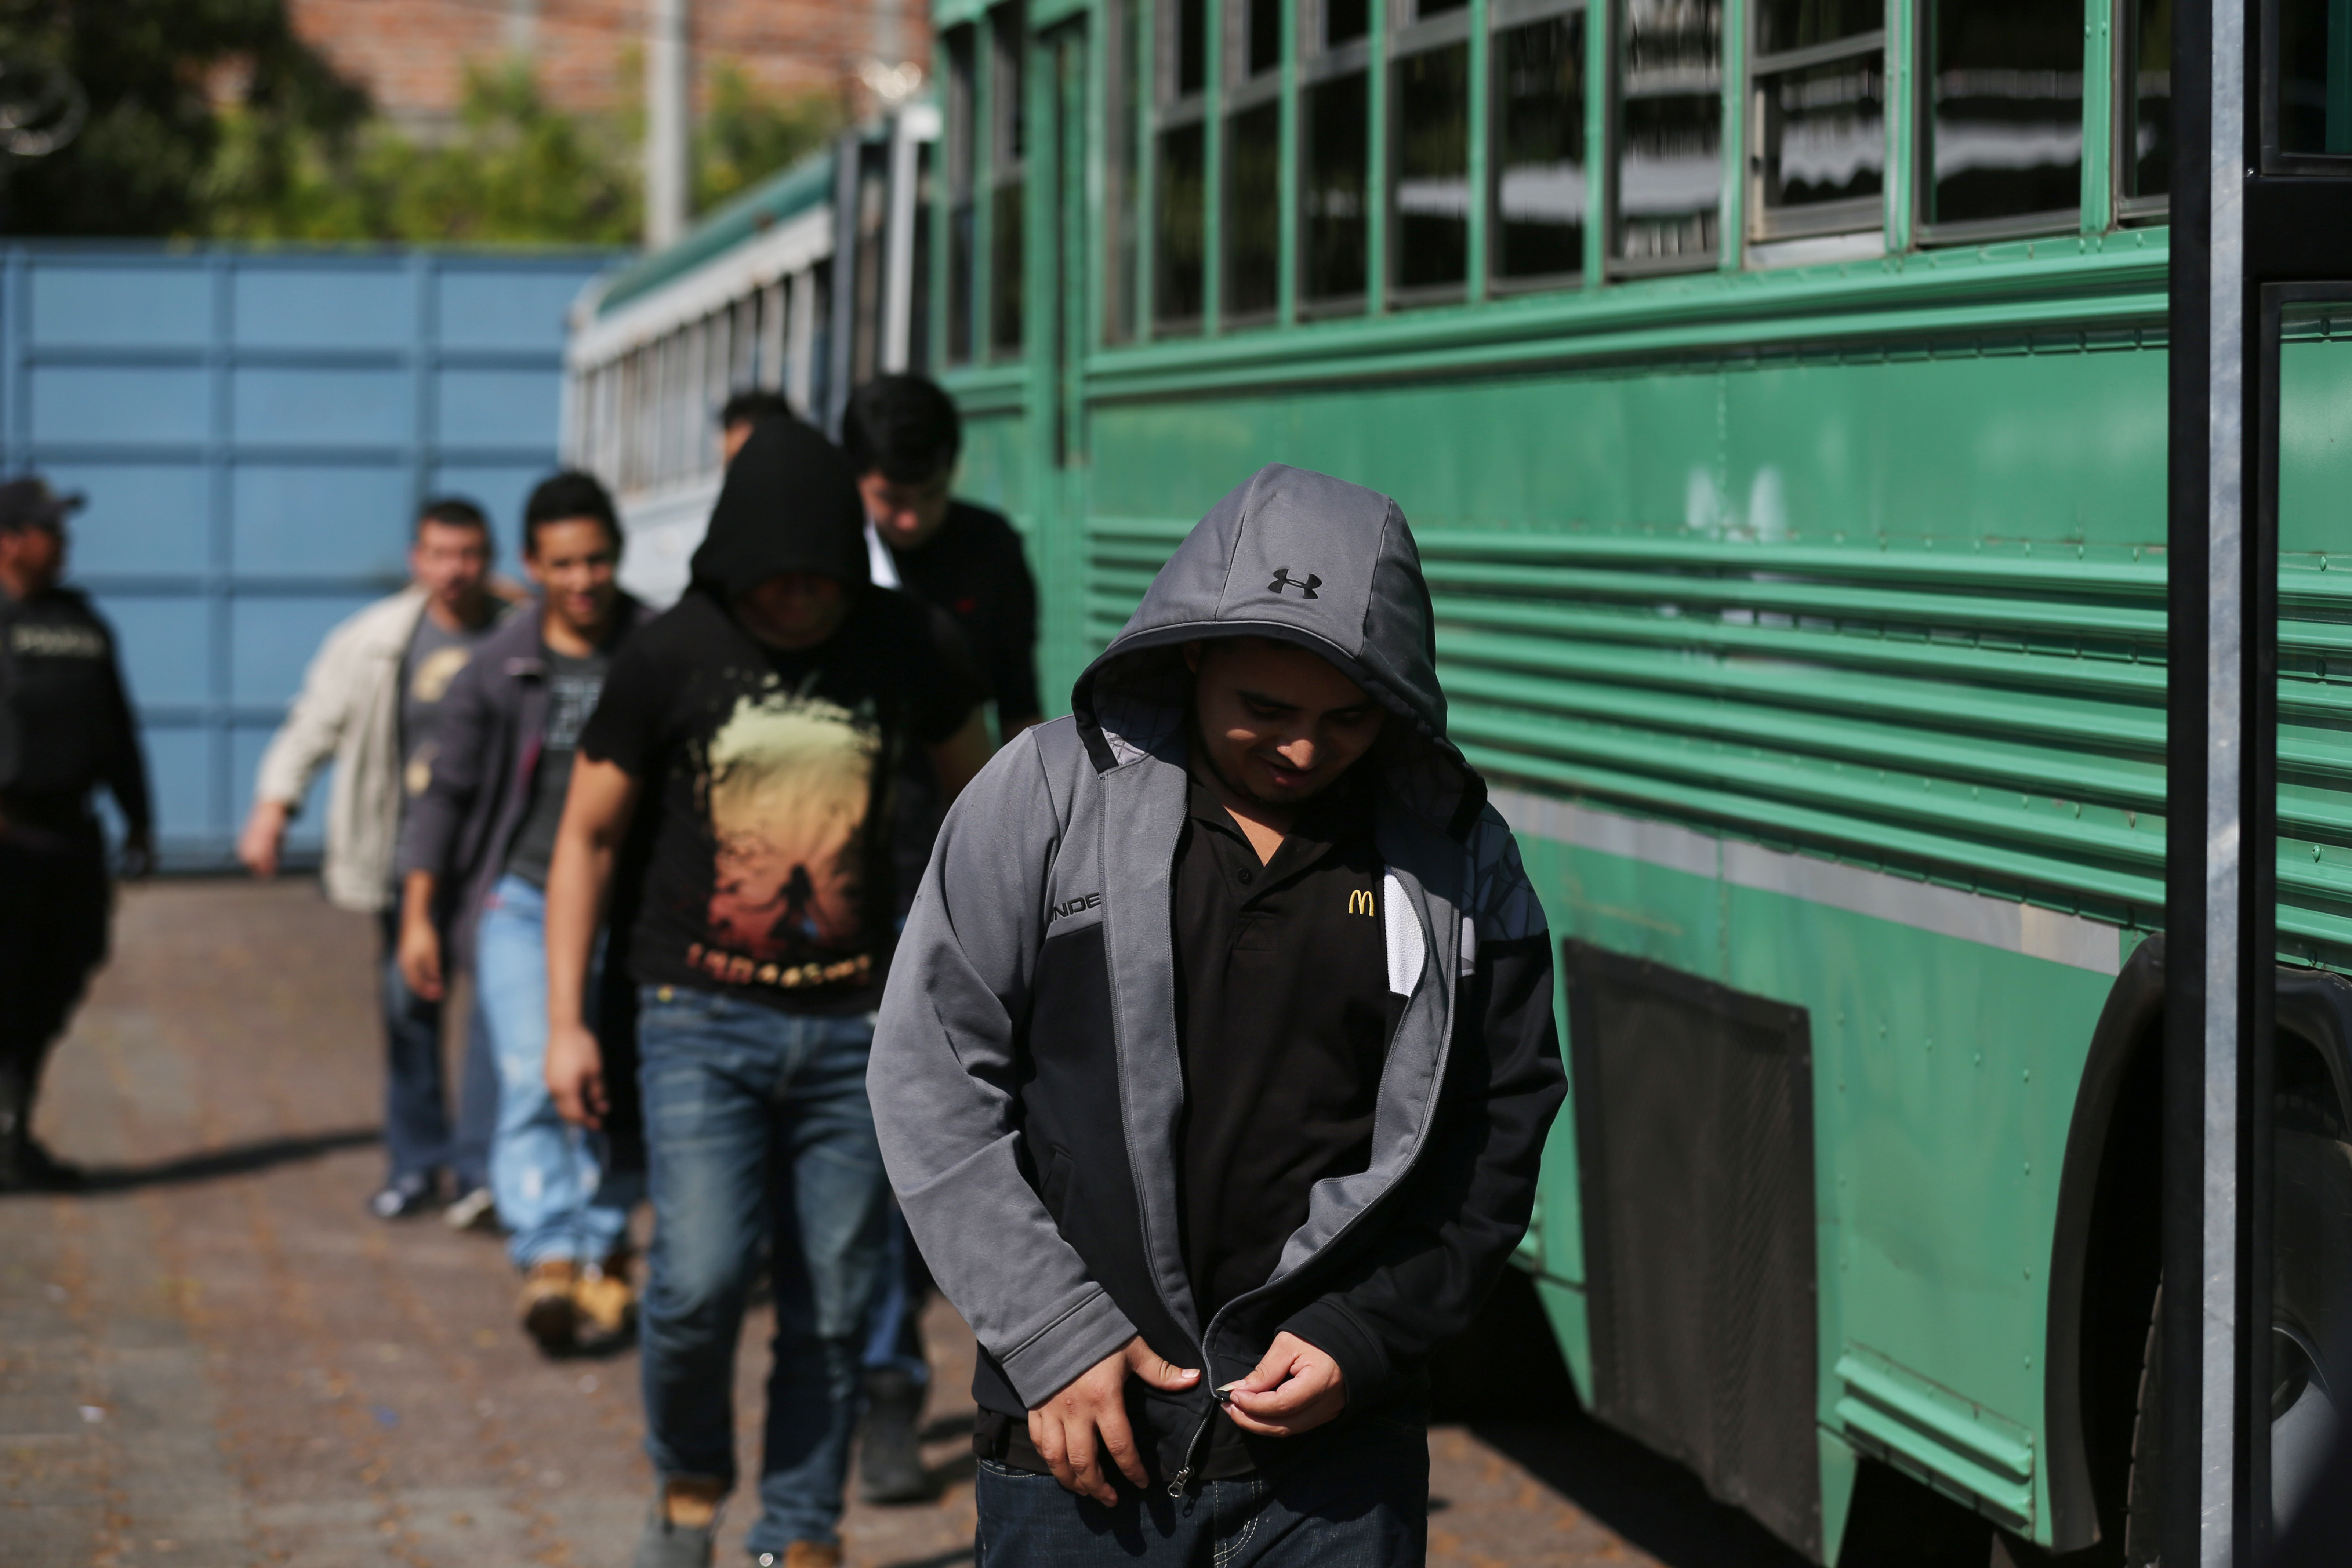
<point x="1655" y="1503"/>
<point x="238" y="1159"/>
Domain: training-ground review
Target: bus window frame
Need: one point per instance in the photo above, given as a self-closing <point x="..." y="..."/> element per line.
<point x="1409" y="34"/>
<point x="1509" y="15"/>
<point x="1240" y="92"/>
<point x="1616" y="266"/>
<point x="1123" y="318"/>
<point x="2131" y="211"/>
<point x="1925" y="234"/>
<point x="2274" y="161"/>
<point x="1172" y="109"/>
<point x="1766" y="224"/>
<point x="1315" y="64"/>
<point x="1007" y="166"/>
<point x="959" y="194"/>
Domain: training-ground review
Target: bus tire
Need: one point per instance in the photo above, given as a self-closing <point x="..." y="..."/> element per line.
<point x="2311" y="1329"/>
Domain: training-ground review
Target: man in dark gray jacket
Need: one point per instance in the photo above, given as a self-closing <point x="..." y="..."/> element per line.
<point x="476" y="843"/>
<point x="1217" y="1058"/>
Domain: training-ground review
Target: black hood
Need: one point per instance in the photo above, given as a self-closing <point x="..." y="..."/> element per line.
<point x="790" y="504"/>
<point x="1306" y="559"/>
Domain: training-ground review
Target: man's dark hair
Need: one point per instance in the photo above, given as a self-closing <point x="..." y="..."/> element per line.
<point x="563" y="497"/>
<point x="752" y="406"/>
<point x="904" y="425"/>
<point x="456" y="512"/>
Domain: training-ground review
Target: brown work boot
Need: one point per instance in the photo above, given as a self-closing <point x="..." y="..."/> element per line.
<point x="800" y="1555"/>
<point x="606" y="1302"/>
<point x="550" y="1315"/>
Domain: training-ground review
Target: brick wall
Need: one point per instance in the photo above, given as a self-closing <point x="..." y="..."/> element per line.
<point x="411" y="55"/>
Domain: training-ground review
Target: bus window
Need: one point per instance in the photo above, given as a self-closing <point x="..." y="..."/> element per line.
<point x="2314" y="112"/>
<point x="1669" y="134"/>
<point x="2002" y="117"/>
<point x="1538" y="140"/>
<point x="1818" y="89"/>
<point x="960" y="206"/>
<point x="1429" y="178"/>
<point x="1007" y="210"/>
<point x="1334" y="158"/>
<point x="1252" y="194"/>
<point x="1122" y="168"/>
<point x="1181" y="153"/>
<point x="2145" y="161"/>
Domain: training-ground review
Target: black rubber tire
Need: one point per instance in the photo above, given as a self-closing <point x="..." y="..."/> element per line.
<point x="2144" y="1500"/>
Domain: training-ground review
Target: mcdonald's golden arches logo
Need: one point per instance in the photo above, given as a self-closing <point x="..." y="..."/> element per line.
<point x="1360" y="900"/>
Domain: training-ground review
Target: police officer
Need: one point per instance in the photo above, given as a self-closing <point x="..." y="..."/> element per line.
<point x="66" y="728"/>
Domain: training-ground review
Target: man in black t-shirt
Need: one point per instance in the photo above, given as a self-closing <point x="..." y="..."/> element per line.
<point x="745" y="750"/>
<point x="902" y="436"/>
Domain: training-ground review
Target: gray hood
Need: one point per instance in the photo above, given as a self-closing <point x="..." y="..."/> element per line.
<point x="1306" y="559"/>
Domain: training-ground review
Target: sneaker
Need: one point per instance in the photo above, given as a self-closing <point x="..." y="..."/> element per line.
<point x="474" y="1210"/>
<point x="606" y="1302"/>
<point x="889" y="1454"/>
<point x="549" y="1313"/>
<point x="800" y="1555"/>
<point x="402" y="1197"/>
<point x="680" y="1526"/>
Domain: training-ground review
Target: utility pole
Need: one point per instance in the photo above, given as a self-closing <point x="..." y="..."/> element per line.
<point x="667" y="153"/>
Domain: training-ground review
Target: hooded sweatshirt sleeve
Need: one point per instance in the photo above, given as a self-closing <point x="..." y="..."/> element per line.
<point x="943" y="1077"/>
<point x="1428" y="1271"/>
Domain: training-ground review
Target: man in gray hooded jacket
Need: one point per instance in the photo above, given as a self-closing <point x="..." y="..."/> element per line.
<point x="1217" y="1061"/>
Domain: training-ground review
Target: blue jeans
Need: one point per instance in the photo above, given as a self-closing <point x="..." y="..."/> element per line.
<point x="417" y="1133"/>
<point x="757" y="1119"/>
<point x="549" y="1177"/>
<point x="1355" y="1496"/>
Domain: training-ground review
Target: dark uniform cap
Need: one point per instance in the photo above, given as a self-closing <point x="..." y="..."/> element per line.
<point x="29" y="502"/>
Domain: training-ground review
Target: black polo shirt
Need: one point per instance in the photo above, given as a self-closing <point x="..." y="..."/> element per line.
<point x="1283" y="1017"/>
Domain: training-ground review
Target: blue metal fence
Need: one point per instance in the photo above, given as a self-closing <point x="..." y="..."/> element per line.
<point x="255" y="430"/>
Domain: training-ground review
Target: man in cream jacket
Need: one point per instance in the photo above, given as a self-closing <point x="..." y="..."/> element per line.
<point x="368" y="704"/>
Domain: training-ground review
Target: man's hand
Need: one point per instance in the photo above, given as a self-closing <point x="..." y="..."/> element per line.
<point x="576" y="1075"/>
<point x="420" y="956"/>
<point x="1076" y="1428"/>
<point x="265" y="831"/>
<point x="138" y="862"/>
<point x="1294" y="1389"/>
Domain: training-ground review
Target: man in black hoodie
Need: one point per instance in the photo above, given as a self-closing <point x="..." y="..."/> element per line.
<point x="745" y="744"/>
<point x="65" y="729"/>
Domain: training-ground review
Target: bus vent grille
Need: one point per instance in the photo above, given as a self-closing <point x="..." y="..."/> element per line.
<point x="1693" y="1108"/>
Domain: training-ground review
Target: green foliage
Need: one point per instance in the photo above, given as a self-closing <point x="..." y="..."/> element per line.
<point x="294" y="156"/>
<point x="743" y="138"/>
<point x="517" y="171"/>
<point x="140" y="165"/>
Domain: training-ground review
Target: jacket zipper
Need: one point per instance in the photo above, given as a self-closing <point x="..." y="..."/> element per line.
<point x="1219" y="1399"/>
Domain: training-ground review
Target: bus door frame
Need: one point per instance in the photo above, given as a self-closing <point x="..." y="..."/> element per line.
<point x="2253" y="232"/>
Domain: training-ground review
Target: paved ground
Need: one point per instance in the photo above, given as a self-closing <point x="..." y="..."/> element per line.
<point x="214" y="1359"/>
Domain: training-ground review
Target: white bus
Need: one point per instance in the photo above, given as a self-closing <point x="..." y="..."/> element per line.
<point x="750" y="298"/>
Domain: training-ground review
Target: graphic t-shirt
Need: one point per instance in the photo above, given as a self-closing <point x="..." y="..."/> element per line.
<point x="434" y="657"/>
<point x="572" y="685"/>
<point x="768" y="774"/>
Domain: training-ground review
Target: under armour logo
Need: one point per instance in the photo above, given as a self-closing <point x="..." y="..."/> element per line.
<point x="1283" y="579"/>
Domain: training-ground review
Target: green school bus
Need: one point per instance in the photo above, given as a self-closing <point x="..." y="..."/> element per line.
<point x="1777" y="392"/>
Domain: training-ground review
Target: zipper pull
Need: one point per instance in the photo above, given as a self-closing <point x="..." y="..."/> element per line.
<point x="1177" y="1482"/>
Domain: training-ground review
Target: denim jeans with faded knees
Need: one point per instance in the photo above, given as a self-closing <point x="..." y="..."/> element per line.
<point x="1355" y="1496"/>
<point x="553" y="1190"/>
<point x="417" y="1135"/>
<point x="758" y="1119"/>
